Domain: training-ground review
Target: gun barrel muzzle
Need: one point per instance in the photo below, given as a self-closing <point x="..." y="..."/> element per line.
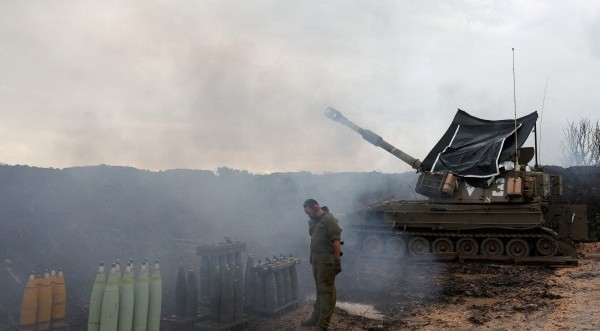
<point x="333" y="114"/>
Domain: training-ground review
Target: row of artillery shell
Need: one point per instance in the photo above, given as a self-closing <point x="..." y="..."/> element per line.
<point x="44" y="303"/>
<point x="271" y="284"/>
<point x="226" y="300"/>
<point x="186" y="294"/>
<point x="126" y="303"/>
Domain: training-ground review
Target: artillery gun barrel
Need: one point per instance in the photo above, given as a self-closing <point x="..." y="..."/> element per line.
<point x="373" y="138"/>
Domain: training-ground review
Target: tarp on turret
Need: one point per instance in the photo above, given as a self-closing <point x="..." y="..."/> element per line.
<point x="474" y="147"/>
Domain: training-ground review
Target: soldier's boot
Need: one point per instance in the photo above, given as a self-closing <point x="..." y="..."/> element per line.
<point x="308" y="322"/>
<point x="312" y="321"/>
<point x="314" y="316"/>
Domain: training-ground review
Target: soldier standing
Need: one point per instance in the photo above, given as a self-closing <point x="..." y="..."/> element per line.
<point x="325" y="259"/>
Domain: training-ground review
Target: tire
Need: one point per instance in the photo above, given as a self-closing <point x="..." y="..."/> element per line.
<point x="395" y="246"/>
<point x="372" y="245"/>
<point x="492" y="247"/>
<point x="418" y="246"/>
<point x="467" y="247"/>
<point x="546" y="247"/>
<point x="517" y="247"/>
<point x="442" y="245"/>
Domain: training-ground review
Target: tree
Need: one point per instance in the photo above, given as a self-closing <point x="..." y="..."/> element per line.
<point x="581" y="144"/>
<point x="595" y="153"/>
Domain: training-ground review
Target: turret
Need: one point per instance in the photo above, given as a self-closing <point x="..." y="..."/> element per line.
<point x="464" y="166"/>
<point x="373" y="138"/>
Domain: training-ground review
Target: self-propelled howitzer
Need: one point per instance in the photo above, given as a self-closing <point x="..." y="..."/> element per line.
<point x="484" y="201"/>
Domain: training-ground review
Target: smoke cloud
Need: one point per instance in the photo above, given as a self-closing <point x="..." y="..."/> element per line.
<point x="163" y="85"/>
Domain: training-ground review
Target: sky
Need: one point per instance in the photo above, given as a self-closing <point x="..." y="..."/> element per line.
<point x="161" y="85"/>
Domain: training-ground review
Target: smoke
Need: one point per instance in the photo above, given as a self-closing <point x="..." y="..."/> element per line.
<point x="200" y="85"/>
<point x="76" y="217"/>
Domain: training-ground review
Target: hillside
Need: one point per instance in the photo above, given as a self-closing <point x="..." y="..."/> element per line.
<point x="76" y="217"/>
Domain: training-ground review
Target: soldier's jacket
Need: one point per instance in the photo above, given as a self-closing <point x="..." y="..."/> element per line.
<point x="323" y="231"/>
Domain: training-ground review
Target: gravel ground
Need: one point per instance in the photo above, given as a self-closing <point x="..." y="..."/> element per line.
<point x="452" y="296"/>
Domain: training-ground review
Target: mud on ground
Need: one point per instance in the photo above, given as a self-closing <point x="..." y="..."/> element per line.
<point x="454" y="296"/>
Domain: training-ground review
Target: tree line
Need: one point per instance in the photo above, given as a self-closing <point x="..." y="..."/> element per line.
<point x="581" y="143"/>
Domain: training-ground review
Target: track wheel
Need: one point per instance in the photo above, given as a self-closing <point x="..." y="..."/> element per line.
<point x="372" y="245"/>
<point x="546" y="247"/>
<point x="395" y="246"/>
<point x="517" y="247"/>
<point x="442" y="245"/>
<point x="467" y="246"/>
<point x="492" y="247"/>
<point x="352" y="240"/>
<point x="418" y="246"/>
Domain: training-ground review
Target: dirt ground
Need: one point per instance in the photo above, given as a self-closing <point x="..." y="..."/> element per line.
<point x="452" y="296"/>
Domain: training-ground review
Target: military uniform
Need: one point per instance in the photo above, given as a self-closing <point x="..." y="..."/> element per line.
<point x="323" y="231"/>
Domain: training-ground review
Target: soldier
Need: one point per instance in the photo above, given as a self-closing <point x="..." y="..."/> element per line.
<point x="325" y="259"/>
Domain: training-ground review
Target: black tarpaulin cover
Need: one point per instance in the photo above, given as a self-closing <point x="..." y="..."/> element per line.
<point x="473" y="147"/>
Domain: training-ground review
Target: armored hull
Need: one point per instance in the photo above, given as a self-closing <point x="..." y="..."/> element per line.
<point x="422" y="229"/>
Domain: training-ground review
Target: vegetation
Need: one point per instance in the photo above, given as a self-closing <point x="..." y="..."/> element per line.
<point x="581" y="144"/>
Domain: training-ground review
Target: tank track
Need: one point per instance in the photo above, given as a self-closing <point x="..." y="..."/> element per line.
<point x="508" y="246"/>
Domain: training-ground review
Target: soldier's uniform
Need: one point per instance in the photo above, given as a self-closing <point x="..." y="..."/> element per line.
<point x="323" y="231"/>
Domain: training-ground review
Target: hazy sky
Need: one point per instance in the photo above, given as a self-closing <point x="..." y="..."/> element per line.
<point x="244" y="84"/>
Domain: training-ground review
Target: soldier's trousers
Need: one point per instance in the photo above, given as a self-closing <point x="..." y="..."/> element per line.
<point x="324" y="276"/>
